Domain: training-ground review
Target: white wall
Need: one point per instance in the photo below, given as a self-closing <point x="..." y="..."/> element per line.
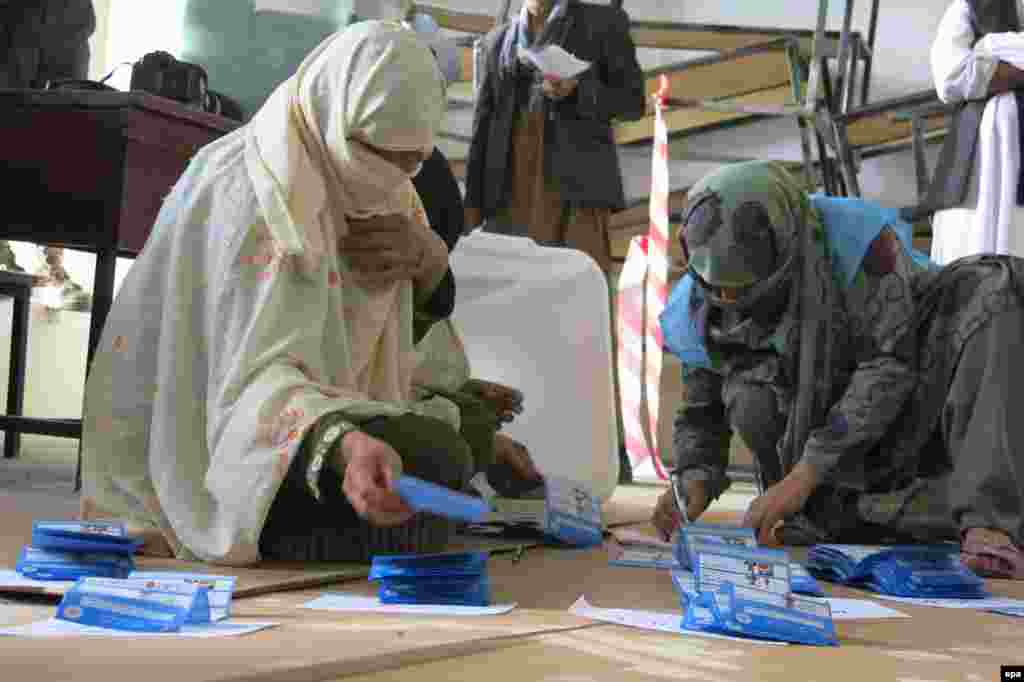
<point x="55" y="366"/>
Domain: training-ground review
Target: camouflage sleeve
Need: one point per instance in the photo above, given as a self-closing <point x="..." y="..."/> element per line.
<point x="880" y="305"/>
<point x="701" y="433"/>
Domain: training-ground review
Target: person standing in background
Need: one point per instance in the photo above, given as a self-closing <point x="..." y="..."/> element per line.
<point x="542" y="161"/>
<point x="42" y="41"/>
<point x="977" y="58"/>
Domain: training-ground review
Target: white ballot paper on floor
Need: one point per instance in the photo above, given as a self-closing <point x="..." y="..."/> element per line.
<point x="651" y="620"/>
<point x="55" y="627"/>
<point x="554" y="62"/>
<point x="977" y="604"/>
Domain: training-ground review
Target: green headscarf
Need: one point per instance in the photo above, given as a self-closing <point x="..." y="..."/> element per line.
<point x="751" y="226"/>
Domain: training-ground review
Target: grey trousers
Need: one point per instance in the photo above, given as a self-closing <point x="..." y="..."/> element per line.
<point x="976" y="460"/>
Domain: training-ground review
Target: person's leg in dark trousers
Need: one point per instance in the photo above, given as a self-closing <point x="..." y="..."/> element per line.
<point x="300" y="528"/>
<point x="984" y="433"/>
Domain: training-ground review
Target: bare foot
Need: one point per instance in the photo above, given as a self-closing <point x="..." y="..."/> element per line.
<point x="992" y="554"/>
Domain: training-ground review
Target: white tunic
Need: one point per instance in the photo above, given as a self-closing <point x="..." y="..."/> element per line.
<point x="989" y="220"/>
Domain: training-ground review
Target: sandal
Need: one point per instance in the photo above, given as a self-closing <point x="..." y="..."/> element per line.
<point x="992" y="555"/>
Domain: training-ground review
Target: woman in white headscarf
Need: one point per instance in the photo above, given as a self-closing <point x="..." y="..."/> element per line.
<point x="251" y="396"/>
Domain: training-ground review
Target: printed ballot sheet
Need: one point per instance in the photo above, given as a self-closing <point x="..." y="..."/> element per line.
<point x="649" y="620"/>
<point x="61" y="628"/>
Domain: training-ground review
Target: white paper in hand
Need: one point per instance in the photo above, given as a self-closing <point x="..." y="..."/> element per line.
<point x="554" y="62"/>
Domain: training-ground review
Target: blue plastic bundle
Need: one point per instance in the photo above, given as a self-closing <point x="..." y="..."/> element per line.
<point x="69" y="550"/>
<point x="933" y="571"/>
<point x="748" y="593"/>
<point x="456" y="579"/>
<point x="733" y="536"/>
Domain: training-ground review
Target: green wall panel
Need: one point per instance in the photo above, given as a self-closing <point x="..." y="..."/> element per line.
<point x="247" y="54"/>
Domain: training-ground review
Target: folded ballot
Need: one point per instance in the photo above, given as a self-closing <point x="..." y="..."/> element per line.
<point x="903" y="571"/>
<point x="97" y="537"/>
<point x="569" y="514"/>
<point x="136" y="604"/>
<point x="747" y="592"/>
<point x="801" y="582"/>
<point x="44" y="564"/>
<point x="69" y="550"/>
<point x="734" y="536"/>
<point x="454" y="579"/>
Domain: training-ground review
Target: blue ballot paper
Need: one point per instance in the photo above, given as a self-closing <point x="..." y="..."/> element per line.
<point x="573" y="514"/>
<point x="801" y="581"/>
<point x="220" y="588"/>
<point x="458" y="579"/>
<point x="45" y="564"/>
<point x="568" y="514"/>
<point x="135" y="605"/>
<point x="902" y="571"/>
<point x="747" y="592"/>
<point x="726" y="535"/>
<point x="100" y="537"/>
<point x="422" y="495"/>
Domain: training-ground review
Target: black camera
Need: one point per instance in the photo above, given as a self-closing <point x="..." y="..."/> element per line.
<point x="161" y="74"/>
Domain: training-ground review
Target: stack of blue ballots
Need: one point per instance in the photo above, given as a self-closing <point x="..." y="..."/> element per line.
<point x="69" y="550"/>
<point x="456" y="579"/>
<point x="801" y="581"/>
<point x="747" y="592"/>
<point x="933" y="571"/>
<point x="136" y="604"/>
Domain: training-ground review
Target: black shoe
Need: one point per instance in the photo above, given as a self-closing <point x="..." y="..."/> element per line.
<point x="625" y="468"/>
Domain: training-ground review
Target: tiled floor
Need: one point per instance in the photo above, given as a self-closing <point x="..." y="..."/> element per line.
<point x="42" y="479"/>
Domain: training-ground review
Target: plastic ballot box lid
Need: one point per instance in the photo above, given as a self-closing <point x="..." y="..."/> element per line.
<point x="537" y="319"/>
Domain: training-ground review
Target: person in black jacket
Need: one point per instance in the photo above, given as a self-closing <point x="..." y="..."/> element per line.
<point x="542" y="161"/>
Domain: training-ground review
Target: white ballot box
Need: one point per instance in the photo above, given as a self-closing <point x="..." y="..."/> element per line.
<point x="537" y="319"/>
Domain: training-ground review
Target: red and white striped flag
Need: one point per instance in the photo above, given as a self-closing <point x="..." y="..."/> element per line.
<point x="642" y="293"/>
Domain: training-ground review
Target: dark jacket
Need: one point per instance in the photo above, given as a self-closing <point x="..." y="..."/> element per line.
<point x="442" y="200"/>
<point x="579" y="148"/>
<point x="43" y="40"/>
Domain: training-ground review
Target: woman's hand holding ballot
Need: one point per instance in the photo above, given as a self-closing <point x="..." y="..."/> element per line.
<point x="371" y="468"/>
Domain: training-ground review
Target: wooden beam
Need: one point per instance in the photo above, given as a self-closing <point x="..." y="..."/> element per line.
<point x="881" y="129"/>
<point x="720" y="38"/>
<point x="682" y="37"/>
<point x="681" y="121"/>
<point x="466" y="55"/>
<point x="465" y="22"/>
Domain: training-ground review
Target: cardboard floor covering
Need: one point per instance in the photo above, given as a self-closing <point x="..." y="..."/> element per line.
<point x="931" y="645"/>
<point x="539" y="640"/>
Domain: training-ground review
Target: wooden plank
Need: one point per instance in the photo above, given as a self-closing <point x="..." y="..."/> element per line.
<point x="881" y="129"/>
<point x="733" y="75"/>
<point x="467" y="22"/>
<point x="721" y="38"/>
<point x="682" y="37"/>
<point x="691" y="120"/>
<point x="466" y="57"/>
